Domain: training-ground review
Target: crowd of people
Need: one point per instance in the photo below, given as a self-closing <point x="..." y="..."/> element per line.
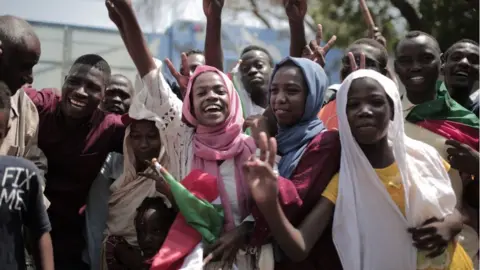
<point x="266" y="166"/>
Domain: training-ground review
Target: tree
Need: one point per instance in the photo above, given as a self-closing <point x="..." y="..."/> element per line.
<point x="447" y="20"/>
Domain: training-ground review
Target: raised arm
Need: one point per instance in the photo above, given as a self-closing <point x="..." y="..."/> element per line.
<point x="296" y="11"/>
<point x="155" y="94"/>
<point x="122" y="14"/>
<point x="213" y="37"/>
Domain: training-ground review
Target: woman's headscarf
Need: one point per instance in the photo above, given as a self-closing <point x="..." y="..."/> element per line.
<point x="223" y="142"/>
<point x="292" y="141"/>
<point x="369" y="231"/>
<point x="129" y="190"/>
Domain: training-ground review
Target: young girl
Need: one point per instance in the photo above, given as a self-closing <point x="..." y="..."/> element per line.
<point x="152" y="223"/>
<point x="210" y="137"/>
<point x="310" y="154"/>
<point x="142" y="143"/>
<point x="390" y="191"/>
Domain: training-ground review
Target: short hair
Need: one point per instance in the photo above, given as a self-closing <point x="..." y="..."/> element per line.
<point x="415" y="34"/>
<point x="157" y="203"/>
<point x="13" y="30"/>
<point x="5" y="93"/>
<point x="194" y="51"/>
<point x="373" y="43"/>
<point x="464" y="40"/>
<point x="258" y="48"/>
<point x="96" y="61"/>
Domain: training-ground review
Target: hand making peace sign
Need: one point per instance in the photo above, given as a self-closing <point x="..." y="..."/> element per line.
<point x="314" y="51"/>
<point x="183" y="76"/>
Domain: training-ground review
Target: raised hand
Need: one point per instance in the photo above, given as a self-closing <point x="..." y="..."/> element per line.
<point x="120" y="5"/>
<point x="113" y="14"/>
<point x="260" y="176"/>
<point x="183" y="76"/>
<point x="314" y="51"/>
<point x="373" y="31"/>
<point x="353" y="62"/>
<point x="295" y="9"/>
<point x="213" y="8"/>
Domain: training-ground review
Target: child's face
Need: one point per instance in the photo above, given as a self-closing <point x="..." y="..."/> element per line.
<point x="151" y="233"/>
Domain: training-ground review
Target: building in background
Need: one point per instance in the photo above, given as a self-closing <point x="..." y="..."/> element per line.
<point x="70" y="28"/>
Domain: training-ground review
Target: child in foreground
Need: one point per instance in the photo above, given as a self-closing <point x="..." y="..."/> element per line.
<point x="21" y="204"/>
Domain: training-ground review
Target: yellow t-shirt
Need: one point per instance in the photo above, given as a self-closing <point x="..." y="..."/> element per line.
<point x="455" y="258"/>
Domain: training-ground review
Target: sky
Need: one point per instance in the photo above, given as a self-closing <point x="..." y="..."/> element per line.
<point x="92" y="13"/>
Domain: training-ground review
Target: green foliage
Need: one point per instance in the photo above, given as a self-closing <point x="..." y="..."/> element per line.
<point x="447" y="20"/>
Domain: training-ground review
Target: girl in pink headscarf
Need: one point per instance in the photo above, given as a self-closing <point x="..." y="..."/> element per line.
<point x="204" y="132"/>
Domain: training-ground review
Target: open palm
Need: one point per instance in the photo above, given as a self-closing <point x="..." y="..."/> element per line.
<point x="259" y="173"/>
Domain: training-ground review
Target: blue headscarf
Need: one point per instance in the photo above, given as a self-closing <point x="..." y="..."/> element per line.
<point x="292" y="141"/>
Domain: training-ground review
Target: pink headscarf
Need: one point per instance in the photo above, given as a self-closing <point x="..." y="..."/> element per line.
<point x="223" y="142"/>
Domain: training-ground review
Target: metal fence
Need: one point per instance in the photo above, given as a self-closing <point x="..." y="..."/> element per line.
<point x="61" y="45"/>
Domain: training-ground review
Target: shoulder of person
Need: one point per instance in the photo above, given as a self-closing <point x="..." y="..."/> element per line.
<point x="18" y="162"/>
<point x="43" y="99"/>
<point x="326" y="139"/>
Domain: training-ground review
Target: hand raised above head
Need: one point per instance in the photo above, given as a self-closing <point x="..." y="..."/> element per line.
<point x="116" y="9"/>
<point x="353" y="62"/>
<point x="213" y="8"/>
<point x="373" y="31"/>
<point x="181" y="77"/>
<point x="295" y="9"/>
<point x="314" y="51"/>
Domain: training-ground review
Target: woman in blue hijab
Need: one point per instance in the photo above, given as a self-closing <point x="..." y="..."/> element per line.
<point x="310" y="157"/>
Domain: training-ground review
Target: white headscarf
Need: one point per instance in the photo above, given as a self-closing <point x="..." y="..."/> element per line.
<point x="129" y="190"/>
<point x="369" y="231"/>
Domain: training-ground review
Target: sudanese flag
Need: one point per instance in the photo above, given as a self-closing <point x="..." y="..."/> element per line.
<point x="447" y="118"/>
<point x="197" y="220"/>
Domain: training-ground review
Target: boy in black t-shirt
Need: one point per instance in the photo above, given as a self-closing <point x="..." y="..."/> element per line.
<point x="21" y="205"/>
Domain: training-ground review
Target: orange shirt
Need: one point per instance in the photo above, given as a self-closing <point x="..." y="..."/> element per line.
<point x="328" y="115"/>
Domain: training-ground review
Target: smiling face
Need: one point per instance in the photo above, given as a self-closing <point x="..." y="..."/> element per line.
<point x="461" y="68"/>
<point x="17" y="62"/>
<point x="82" y="91"/>
<point x="118" y="95"/>
<point x="145" y="140"/>
<point x="255" y="71"/>
<point x="209" y="98"/>
<point x="418" y="63"/>
<point x="368" y="111"/>
<point x="288" y="94"/>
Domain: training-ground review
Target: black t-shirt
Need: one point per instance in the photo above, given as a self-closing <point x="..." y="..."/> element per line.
<point x="21" y="203"/>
